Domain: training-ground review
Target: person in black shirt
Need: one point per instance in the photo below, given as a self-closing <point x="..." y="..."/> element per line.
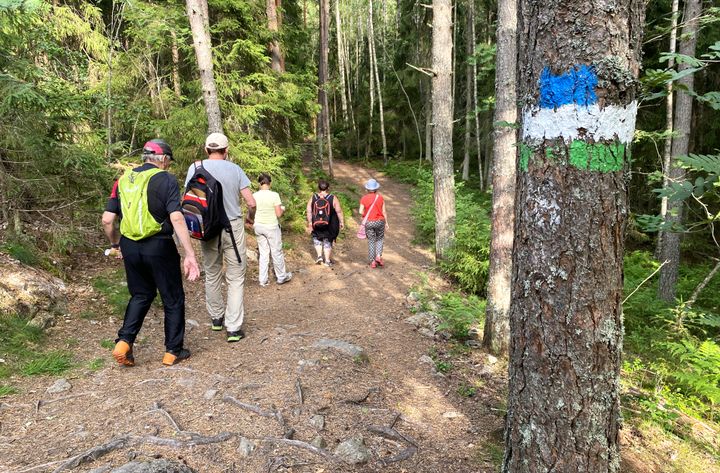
<point x="145" y="244"/>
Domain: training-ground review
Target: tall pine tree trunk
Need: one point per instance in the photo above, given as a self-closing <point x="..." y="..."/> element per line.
<point x="667" y="148"/>
<point x="468" y="93"/>
<point x="324" y="119"/>
<point x="277" y="61"/>
<point x="680" y="145"/>
<point x="175" y="65"/>
<point x="378" y="85"/>
<point x="579" y="63"/>
<point x="428" y="127"/>
<point x="444" y="179"/>
<point x="341" y="61"/>
<point x="203" y="52"/>
<point x="496" y="337"/>
<point x="476" y="118"/>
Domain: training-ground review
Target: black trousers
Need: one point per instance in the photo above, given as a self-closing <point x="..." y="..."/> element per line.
<point x="153" y="265"/>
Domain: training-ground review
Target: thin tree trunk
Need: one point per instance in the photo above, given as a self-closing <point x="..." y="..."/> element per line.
<point x="372" y="98"/>
<point x="428" y="127"/>
<point x="667" y="149"/>
<point x="199" y="25"/>
<point x="680" y="143"/>
<point x="277" y="61"/>
<point x="496" y="337"/>
<point x="341" y="61"/>
<point x="471" y="13"/>
<point x="374" y="66"/>
<point x="468" y="93"/>
<point x="444" y="179"/>
<point x="175" y="65"/>
<point x="571" y="209"/>
<point x="323" y="77"/>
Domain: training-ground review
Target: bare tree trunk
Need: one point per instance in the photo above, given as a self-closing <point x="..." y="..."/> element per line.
<point x="667" y="149"/>
<point x="496" y="337"/>
<point x="428" y="127"/>
<point x="374" y="67"/>
<point x="277" y="61"/>
<point x="324" y="120"/>
<point x="571" y="209"/>
<point x="341" y="61"/>
<point x="471" y="13"/>
<point x="372" y="98"/>
<point x="468" y="93"/>
<point x="175" y="65"/>
<point x="199" y="24"/>
<point x="444" y="179"/>
<point x="683" y="117"/>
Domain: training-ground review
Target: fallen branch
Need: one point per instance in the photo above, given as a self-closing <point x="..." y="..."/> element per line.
<point x="298" y="388"/>
<point x="402" y="456"/>
<point x="391" y="433"/>
<point x="196" y="439"/>
<point x="43" y="402"/>
<point x="158" y="408"/>
<point x="702" y="285"/>
<point x="305" y="446"/>
<point x="94" y="453"/>
<point x="256" y="409"/>
<point x="644" y="281"/>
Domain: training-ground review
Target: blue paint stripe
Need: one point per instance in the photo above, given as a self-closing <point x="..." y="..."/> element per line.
<point x="576" y="86"/>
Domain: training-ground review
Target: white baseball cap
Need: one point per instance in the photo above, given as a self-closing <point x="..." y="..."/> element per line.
<point x="216" y="141"/>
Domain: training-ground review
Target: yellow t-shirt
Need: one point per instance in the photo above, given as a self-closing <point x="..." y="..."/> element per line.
<point x="266" y="200"/>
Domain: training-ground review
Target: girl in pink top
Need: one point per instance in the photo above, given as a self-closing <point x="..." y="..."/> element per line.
<point x="373" y="204"/>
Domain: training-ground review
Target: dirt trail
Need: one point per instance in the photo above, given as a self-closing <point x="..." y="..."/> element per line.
<point x="350" y="302"/>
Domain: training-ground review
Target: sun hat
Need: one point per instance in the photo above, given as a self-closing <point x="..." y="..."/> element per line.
<point x="157" y="147"/>
<point x="216" y="141"/>
<point x="372" y="185"/>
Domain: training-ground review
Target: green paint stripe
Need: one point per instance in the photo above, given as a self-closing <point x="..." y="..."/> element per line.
<point x="600" y="157"/>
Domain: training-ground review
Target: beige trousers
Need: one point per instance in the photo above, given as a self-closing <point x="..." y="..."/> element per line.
<point x="233" y="311"/>
<point x="269" y="240"/>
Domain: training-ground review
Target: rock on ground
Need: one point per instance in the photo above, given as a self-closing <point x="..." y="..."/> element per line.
<point x="59" y="386"/>
<point x="341" y="346"/>
<point x="353" y="451"/>
<point x="154" y="466"/>
<point x="30" y="292"/>
<point x="246" y="447"/>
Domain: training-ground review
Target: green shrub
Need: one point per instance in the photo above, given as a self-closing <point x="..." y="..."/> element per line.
<point x="458" y="313"/>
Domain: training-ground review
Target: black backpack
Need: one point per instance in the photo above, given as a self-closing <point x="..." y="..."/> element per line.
<point x="203" y="209"/>
<point x="321" y="210"/>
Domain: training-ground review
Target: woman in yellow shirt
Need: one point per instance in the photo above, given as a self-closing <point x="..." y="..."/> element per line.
<point x="267" y="230"/>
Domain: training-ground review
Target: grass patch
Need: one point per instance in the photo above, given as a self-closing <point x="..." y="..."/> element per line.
<point x="113" y="287"/>
<point x="7" y="390"/>
<point x="107" y="344"/>
<point x="56" y="362"/>
<point x="22" y="250"/>
<point x="97" y="364"/>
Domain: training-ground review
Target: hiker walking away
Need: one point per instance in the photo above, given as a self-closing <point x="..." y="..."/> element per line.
<point x="324" y="221"/>
<point x="227" y="247"/>
<point x="372" y="209"/>
<point x="147" y="200"/>
<point x="267" y="229"/>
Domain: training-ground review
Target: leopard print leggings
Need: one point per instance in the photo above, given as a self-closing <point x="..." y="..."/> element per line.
<point x="375" y="231"/>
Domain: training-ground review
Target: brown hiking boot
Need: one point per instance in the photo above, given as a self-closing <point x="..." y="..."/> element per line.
<point x="173" y="358"/>
<point x="123" y="353"/>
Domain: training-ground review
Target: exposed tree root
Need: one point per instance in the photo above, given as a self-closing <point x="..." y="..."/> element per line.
<point x="305" y="446"/>
<point x="277" y="415"/>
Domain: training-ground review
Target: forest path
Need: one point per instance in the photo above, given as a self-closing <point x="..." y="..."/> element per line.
<point x="388" y="387"/>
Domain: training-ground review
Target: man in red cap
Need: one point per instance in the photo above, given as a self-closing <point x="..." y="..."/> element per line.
<point x="147" y="200"/>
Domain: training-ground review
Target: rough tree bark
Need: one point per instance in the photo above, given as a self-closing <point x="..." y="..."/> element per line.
<point x="428" y="127"/>
<point x="680" y="144"/>
<point x="579" y="62"/>
<point x="496" y="337"/>
<point x="667" y="148"/>
<point x="471" y="13"/>
<point x="444" y="179"/>
<point x="203" y="52"/>
<point x="175" y="65"/>
<point x="277" y="61"/>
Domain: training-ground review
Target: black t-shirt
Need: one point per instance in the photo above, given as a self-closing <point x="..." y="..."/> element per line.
<point x="163" y="198"/>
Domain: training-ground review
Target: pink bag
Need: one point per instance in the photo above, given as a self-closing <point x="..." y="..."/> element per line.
<point x="361" y="232"/>
<point x="361" y="229"/>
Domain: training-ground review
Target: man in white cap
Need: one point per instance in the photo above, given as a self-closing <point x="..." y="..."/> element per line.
<point x="234" y="184"/>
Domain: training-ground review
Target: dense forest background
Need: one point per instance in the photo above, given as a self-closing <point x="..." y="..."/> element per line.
<point x="83" y="84"/>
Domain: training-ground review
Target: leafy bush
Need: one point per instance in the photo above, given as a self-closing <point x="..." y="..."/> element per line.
<point x="458" y="313"/>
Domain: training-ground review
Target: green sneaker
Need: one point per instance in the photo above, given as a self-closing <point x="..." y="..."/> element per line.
<point x="217" y="324"/>
<point x="235" y="336"/>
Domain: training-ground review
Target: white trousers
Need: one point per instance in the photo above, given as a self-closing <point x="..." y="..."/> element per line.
<point x="269" y="240"/>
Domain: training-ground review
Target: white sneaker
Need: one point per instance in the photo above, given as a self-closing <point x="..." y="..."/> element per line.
<point x="287" y="278"/>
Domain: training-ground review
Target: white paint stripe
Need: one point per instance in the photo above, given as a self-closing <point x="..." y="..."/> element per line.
<point x="600" y="124"/>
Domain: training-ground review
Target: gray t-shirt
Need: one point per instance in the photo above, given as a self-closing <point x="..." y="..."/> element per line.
<point x="232" y="179"/>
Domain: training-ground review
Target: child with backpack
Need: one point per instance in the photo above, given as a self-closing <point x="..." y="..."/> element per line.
<point x="324" y="221"/>
<point x="267" y="229"/>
